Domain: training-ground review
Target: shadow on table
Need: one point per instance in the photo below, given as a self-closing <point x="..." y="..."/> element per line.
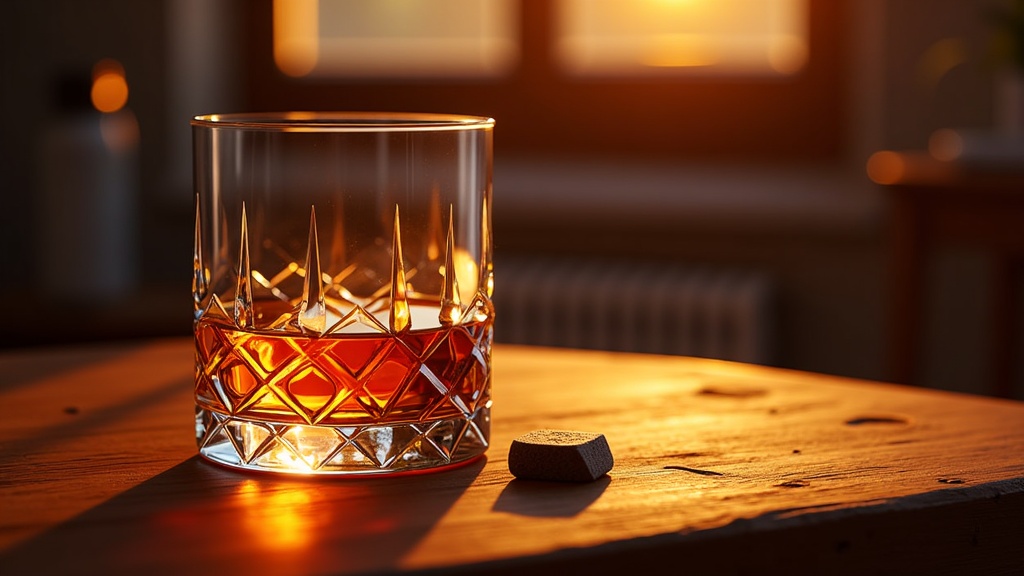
<point x="198" y="518"/>
<point x="549" y="499"/>
<point x="77" y="425"/>
<point x="32" y="365"/>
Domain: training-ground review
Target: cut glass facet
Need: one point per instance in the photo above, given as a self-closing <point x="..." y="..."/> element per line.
<point x="320" y="381"/>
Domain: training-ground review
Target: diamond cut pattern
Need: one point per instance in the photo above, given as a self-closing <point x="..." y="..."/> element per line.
<point x="343" y="450"/>
<point x="295" y="373"/>
<point x="363" y="380"/>
<point x="371" y="404"/>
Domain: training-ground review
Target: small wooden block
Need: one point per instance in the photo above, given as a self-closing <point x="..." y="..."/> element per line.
<point x="560" y="455"/>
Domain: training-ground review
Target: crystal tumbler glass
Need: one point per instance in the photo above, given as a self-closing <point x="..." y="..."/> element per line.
<point x="342" y="286"/>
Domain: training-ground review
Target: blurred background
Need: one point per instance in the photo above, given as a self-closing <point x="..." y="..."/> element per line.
<point x="671" y="176"/>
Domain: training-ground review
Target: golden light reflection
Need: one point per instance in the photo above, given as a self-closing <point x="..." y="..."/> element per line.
<point x="296" y="36"/>
<point x="435" y="232"/>
<point x="787" y="53"/>
<point x="677" y="50"/>
<point x="467" y="274"/>
<point x="886" y="167"/>
<point x="109" y="91"/>
<point x="409" y="38"/>
<point x="671" y="36"/>
<point x="281" y="519"/>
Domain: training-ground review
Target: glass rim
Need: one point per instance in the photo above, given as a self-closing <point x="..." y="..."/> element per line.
<point x="343" y="121"/>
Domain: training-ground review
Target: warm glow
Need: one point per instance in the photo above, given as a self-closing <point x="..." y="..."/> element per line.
<point x="886" y="167"/>
<point x="296" y="37"/>
<point x="467" y="274"/>
<point x="736" y="37"/>
<point x="109" y="87"/>
<point x="787" y="53"/>
<point x="279" y="518"/>
<point x="677" y="50"/>
<point x="390" y="38"/>
<point x="304" y="452"/>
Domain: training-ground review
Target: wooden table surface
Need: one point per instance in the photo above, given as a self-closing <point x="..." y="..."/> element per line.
<point x="719" y="467"/>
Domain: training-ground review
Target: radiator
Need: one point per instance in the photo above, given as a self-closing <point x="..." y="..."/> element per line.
<point x="622" y="306"/>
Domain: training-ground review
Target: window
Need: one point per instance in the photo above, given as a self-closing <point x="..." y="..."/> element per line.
<point x="395" y="38"/>
<point x="599" y="86"/>
<point x="672" y="37"/>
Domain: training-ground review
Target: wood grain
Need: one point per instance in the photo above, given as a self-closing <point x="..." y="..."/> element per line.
<point x="718" y="466"/>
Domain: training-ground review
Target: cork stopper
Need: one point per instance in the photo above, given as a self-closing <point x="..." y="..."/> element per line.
<point x="560" y="456"/>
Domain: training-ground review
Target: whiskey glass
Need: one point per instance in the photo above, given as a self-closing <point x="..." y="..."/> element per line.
<point x="342" y="283"/>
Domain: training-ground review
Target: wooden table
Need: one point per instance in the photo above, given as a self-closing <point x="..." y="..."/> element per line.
<point x="935" y="204"/>
<point x="720" y="468"/>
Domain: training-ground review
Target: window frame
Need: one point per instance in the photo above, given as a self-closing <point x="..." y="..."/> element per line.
<point x="542" y="111"/>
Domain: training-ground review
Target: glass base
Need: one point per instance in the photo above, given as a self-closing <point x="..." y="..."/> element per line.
<point x="341" y="450"/>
